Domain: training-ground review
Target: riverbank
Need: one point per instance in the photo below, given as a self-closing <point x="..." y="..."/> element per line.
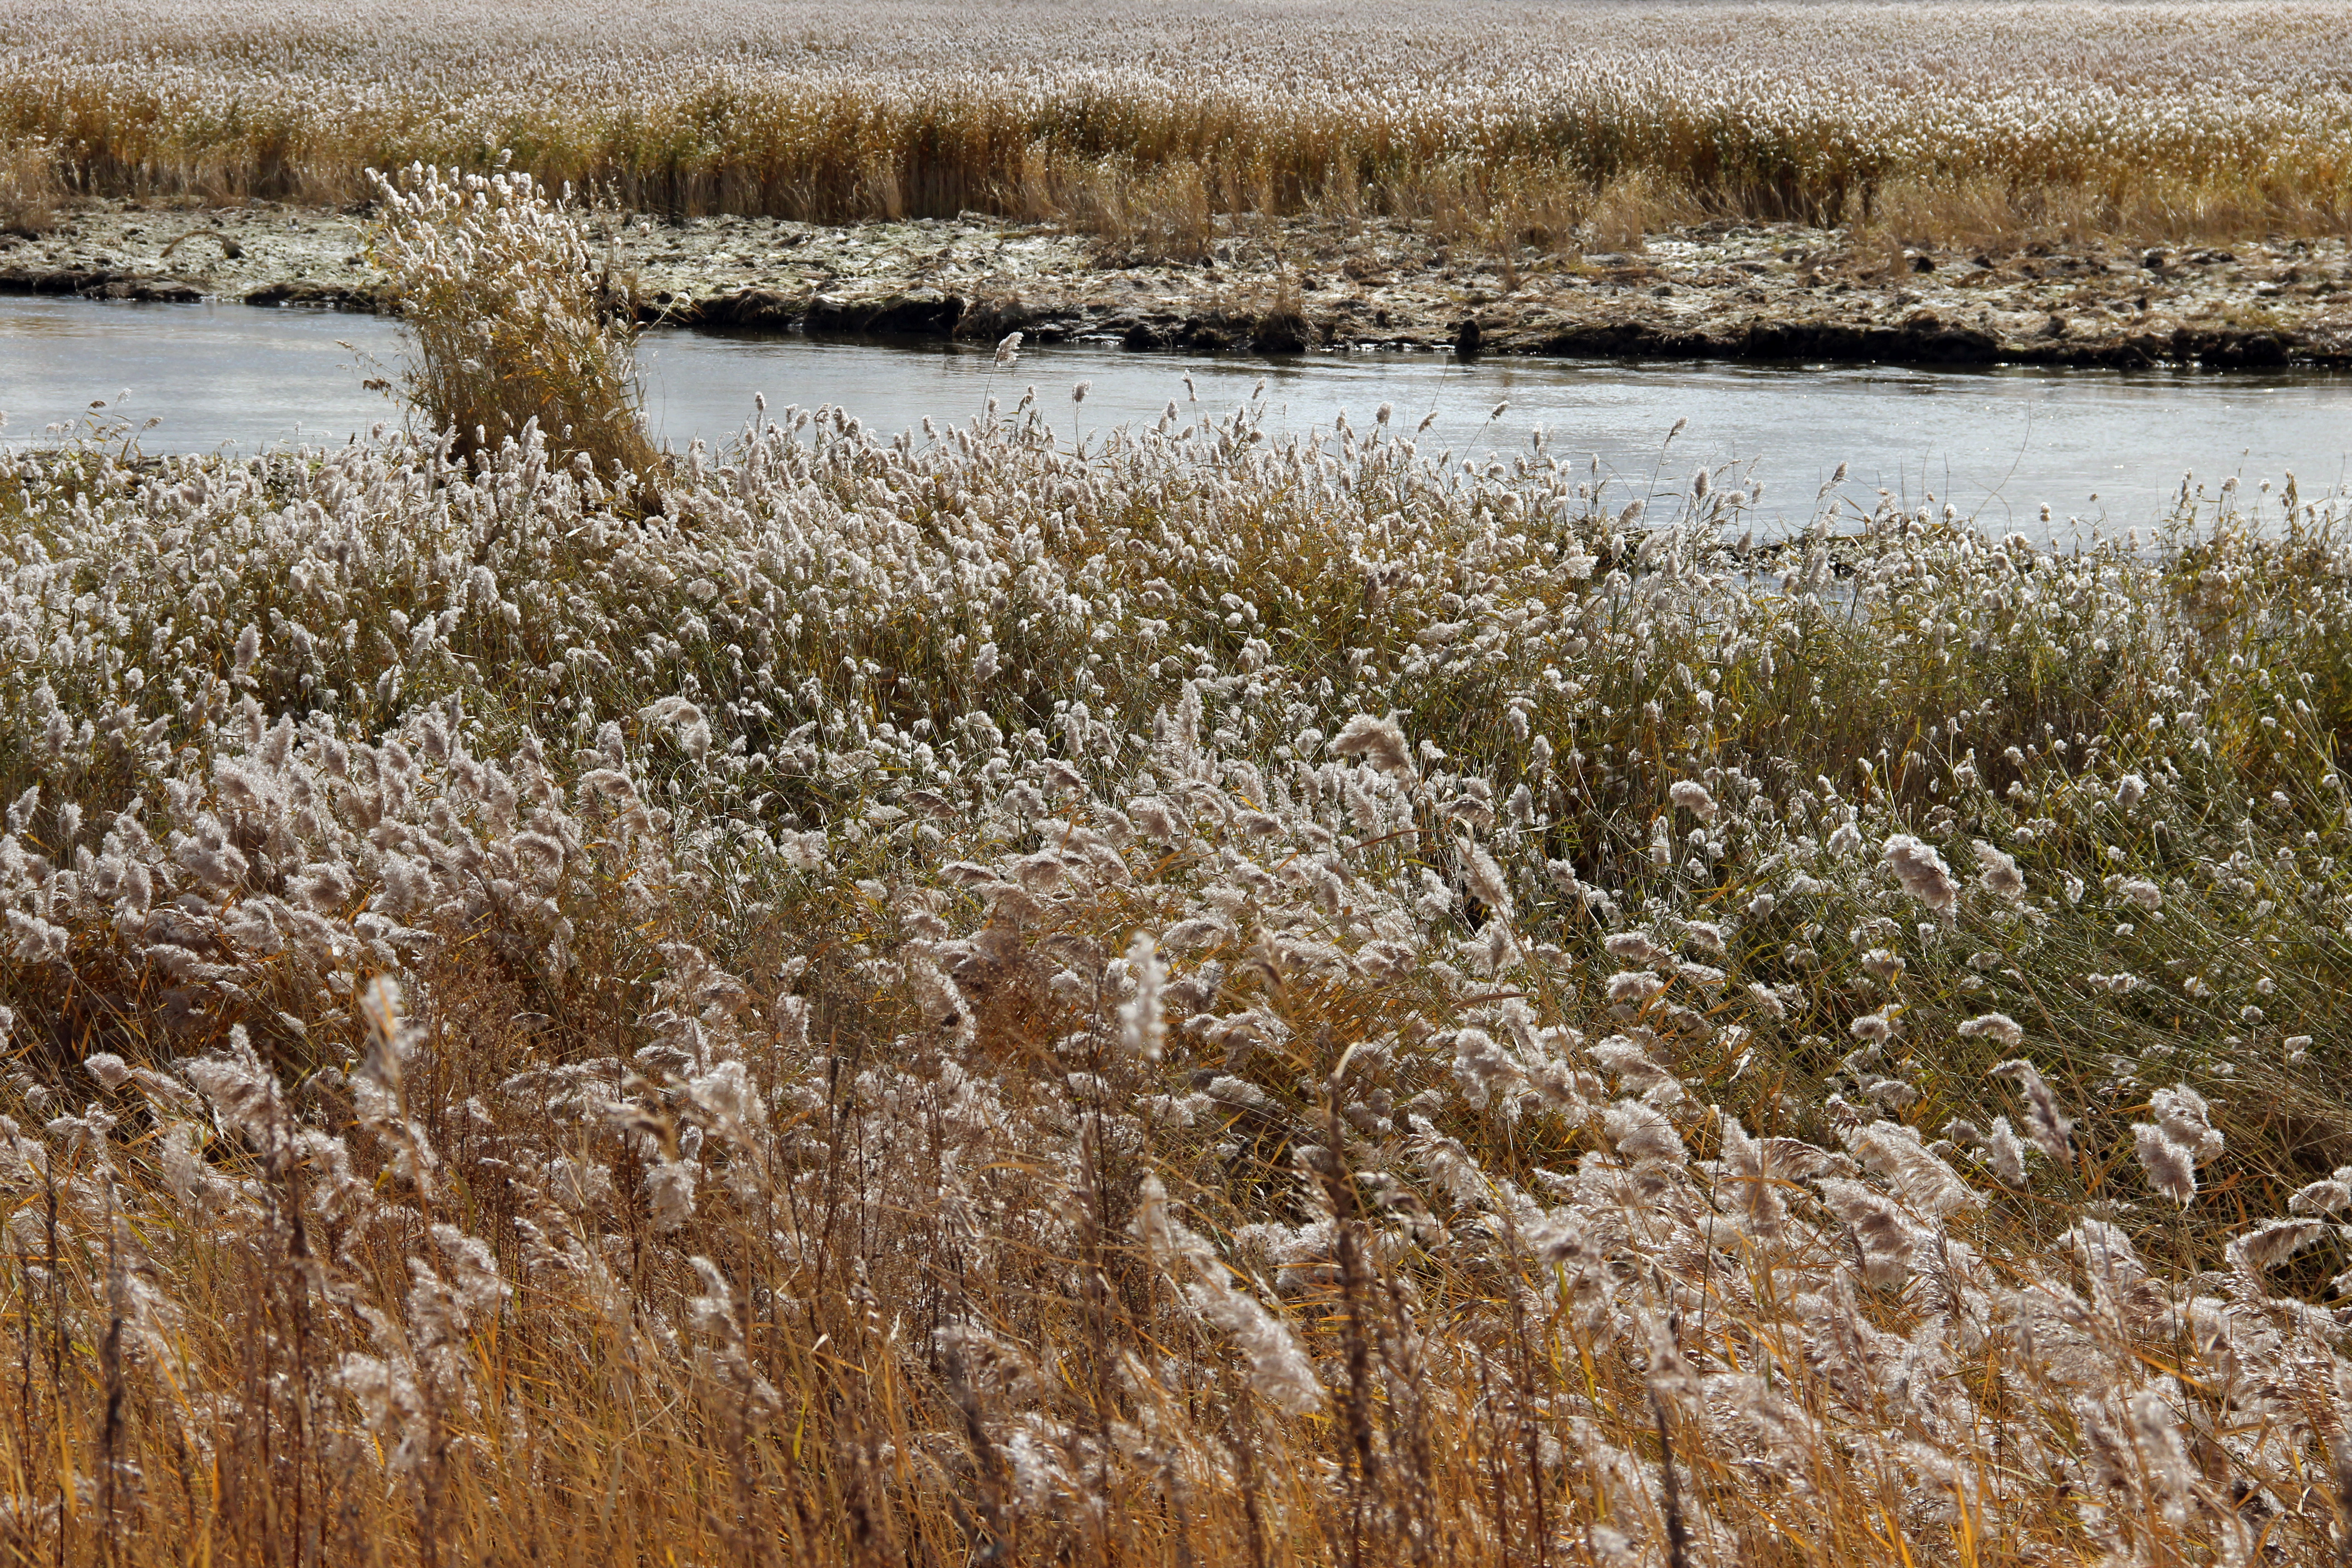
<point x="1779" y="291"/>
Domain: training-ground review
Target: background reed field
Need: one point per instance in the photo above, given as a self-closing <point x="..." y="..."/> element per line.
<point x="1185" y="997"/>
<point x="1531" y="123"/>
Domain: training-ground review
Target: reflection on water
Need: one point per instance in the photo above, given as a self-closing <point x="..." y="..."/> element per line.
<point x="1998" y="444"/>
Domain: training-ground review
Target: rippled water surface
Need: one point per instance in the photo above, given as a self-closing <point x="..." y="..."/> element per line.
<point x="1998" y="444"/>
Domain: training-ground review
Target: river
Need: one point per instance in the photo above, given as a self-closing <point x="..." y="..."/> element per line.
<point x="2106" y="449"/>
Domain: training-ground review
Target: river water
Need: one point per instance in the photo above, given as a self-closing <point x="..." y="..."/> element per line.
<point x="2105" y="448"/>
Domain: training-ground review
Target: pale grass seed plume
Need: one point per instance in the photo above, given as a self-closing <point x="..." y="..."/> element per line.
<point x="838" y="998"/>
<point x="1156" y="125"/>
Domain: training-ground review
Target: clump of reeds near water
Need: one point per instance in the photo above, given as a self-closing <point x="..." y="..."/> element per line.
<point x="511" y="319"/>
<point x="1224" y="999"/>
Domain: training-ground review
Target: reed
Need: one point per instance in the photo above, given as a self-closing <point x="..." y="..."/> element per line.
<point x="513" y="323"/>
<point x="1526" y="119"/>
<point x="29" y="190"/>
<point x="1217" y="998"/>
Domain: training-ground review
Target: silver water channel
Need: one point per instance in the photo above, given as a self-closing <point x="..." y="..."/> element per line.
<point x="2102" y="449"/>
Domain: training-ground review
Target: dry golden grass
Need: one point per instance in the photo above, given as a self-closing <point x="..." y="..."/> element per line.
<point x="29" y="190"/>
<point x="906" y="1006"/>
<point x="514" y="323"/>
<point x="2169" y="119"/>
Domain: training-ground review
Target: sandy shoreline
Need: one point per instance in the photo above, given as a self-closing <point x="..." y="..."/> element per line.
<point x="1758" y="292"/>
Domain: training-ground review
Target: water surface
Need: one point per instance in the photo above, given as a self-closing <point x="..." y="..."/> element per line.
<point x="2104" y="447"/>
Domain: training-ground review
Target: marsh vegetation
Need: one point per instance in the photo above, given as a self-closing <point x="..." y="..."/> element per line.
<point x="1584" y="125"/>
<point x="947" y="997"/>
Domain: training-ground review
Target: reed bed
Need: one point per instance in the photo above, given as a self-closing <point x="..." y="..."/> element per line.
<point x="1529" y="123"/>
<point x="1177" y="996"/>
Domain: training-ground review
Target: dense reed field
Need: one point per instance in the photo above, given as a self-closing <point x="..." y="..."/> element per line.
<point x="1527" y="123"/>
<point x="1192" y="998"/>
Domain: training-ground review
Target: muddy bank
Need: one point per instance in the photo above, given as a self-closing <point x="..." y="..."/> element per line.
<point x="1768" y="292"/>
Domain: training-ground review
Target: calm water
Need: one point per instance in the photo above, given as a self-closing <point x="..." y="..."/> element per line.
<point x="1998" y="444"/>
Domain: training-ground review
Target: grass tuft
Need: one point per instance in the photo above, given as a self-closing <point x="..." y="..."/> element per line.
<point x="513" y="323"/>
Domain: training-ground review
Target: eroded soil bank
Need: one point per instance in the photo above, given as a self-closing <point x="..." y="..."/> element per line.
<point x="1776" y="292"/>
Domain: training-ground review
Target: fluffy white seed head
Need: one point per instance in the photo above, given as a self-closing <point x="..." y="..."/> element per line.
<point x="1693" y="798"/>
<point x="1921" y="872"/>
